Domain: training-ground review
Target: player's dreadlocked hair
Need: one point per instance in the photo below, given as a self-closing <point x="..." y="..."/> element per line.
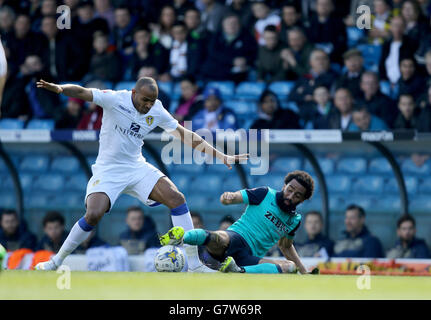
<point x="304" y="179"/>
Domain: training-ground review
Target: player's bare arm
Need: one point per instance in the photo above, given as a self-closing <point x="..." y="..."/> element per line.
<point x="70" y="90"/>
<point x="289" y="251"/>
<point x="231" y="198"/>
<point x="192" y="139"/>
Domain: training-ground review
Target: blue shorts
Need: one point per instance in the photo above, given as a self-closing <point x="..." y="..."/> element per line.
<point x="240" y="250"/>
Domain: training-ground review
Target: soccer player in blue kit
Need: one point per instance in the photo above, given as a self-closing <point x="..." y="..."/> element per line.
<point x="270" y="218"/>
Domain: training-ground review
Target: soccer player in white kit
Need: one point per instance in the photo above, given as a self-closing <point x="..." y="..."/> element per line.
<point x="120" y="167"/>
<point x="3" y="71"/>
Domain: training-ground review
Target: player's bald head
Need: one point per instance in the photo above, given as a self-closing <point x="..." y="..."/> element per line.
<point x="147" y="85"/>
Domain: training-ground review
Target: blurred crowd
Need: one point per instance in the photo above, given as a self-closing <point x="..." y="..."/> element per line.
<point x="140" y="233"/>
<point x="194" y="42"/>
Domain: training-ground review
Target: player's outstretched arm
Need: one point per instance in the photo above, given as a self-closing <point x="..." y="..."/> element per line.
<point x="197" y="142"/>
<point x="231" y="198"/>
<point x="70" y="90"/>
<point x="289" y="251"/>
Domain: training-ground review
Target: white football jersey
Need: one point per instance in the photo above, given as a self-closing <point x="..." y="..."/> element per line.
<point x="124" y="128"/>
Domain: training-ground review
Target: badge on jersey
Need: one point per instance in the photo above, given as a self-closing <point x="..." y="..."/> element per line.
<point x="135" y="127"/>
<point x="149" y="120"/>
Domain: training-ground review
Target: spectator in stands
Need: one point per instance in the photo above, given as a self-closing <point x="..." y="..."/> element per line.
<point x="354" y="63"/>
<point x="407" y="245"/>
<point x="231" y="52"/>
<point x="198" y="223"/>
<point x="380" y="22"/>
<point x="296" y="57"/>
<point x="409" y="115"/>
<point x="357" y="241"/>
<point x="269" y="62"/>
<point x="92" y="116"/>
<point x="196" y="30"/>
<point x="264" y="17"/>
<point x="84" y="26"/>
<point x="242" y="8"/>
<point x="316" y="244"/>
<point x="319" y="75"/>
<point x="395" y="49"/>
<point x="378" y="104"/>
<point x="122" y="33"/>
<point x="13" y="232"/>
<point x="425" y="116"/>
<point x="61" y="56"/>
<point x="41" y="104"/>
<point x="314" y="113"/>
<point x="415" y="22"/>
<point x="22" y="42"/>
<point x="162" y="31"/>
<point x="215" y="115"/>
<point x="71" y="115"/>
<point x="191" y="100"/>
<point x="290" y="18"/>
<point x="7" y="19"/>
<point x="186" y="53"/>
<point x="410" y="81"/>
<point x="55" y="234"/>
<point x="105" y="11"/>
<point x="180" y="7"/>
<point x="150" y="71"/>
<point x="226" y="222"/>
<point x="272" y="115"/>
<point x="141" y="232"/>
<point x="146" y="53"/>
<point x="212" y="15"/>
<point x="47" y="8"/>
<point x="342" y="117"/>
<point x="105" y="64"/>
<point x="363" y="120"/>
<point x="327" y="31"/>
<point x="93" y="241"/>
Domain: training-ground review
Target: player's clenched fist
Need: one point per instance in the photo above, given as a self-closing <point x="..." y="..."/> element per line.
<point x="228" y="197"/>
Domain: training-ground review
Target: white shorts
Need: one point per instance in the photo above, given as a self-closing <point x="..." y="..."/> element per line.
<point x="137" y="182"/>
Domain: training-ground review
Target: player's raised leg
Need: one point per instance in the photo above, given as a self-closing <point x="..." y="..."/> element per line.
<point x="97" y="205"/>
<point x="167" y="193"/>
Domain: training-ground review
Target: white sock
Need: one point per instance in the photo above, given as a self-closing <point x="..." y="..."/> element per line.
<point x="181" y="217"/>
<point x="76" y="236"/>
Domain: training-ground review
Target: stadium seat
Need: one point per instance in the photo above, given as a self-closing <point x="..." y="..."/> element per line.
<point x="41" y="124"/>
<point x="327" y="165"/>
<point x="125" y="85"/>
<point x="6" y="182"/>
<point x="166" y="86"/>
<point x="420" y="204"/>
<point x="77" y="182"/>
<point x="365" y="202"/>
<point x="91" y="160"/>
<point x="389" y="203"/>
<point x="211" y="183"/>
<point x="338" y="183"/>
<point x="49" y="182"/>
<point x="11" y="124"/>
<point x="176" y="91"/>
<point x="409" y="167"/>
<point x="290" y="105"/>
<point x="411" y="182"/>
<point x="198" y="202"/>
<point x="352" y="165"/>
<point x="195" y="169"/>
<point x="354" y="36"/>
<point x="425" y="186"/>
<point x="7" y="199"/>
<point x="125" y="201"/>
<point x="69" y="200"/>
<point x="367" y="184"/>
<point x="35" y="163"/>
<point x="37" y="200"/>
<point x="242" y="108"/>
<point x="182" y="181"/>
<point x="249" y="90"/>
<point x="65" y="164"/>
<point x="286" y="164"/>
<point x="232" y="183"/>
<point x="227" y="88"/>
<point x="370" y="52"/>
<point x="26" y="180"/>
<point x="272" y="180"/>
<point x="282" y="88"/>
<point x="379" y="165"/>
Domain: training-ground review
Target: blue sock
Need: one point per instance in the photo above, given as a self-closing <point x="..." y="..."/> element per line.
<point x="263" y="268"/>
<point x="196" y="237"/>
<point x="84" y="225"/>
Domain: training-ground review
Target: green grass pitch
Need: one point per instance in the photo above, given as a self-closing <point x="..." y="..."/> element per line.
<point x="217" y="286"/>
